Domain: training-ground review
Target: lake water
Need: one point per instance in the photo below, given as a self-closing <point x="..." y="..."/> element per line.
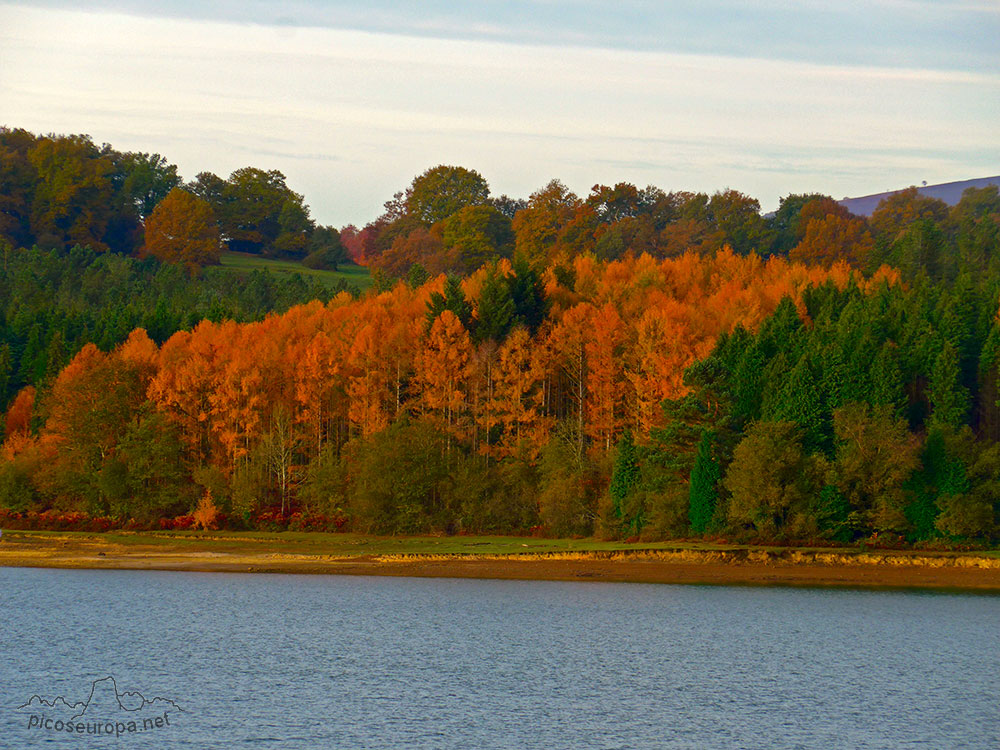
<point x="343" y="662"/>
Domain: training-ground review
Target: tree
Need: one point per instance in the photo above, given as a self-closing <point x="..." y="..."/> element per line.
<point x="624" y="478"/>
<point x="886" y="379"/>
<point x="941" y="476"/>
<point x="143" y="180"/>
<point x="257" y="212"/>
<point x="206" y="514"/>
<point x="150" y="459"/>
<point x="495" y="310"/>
<point x="895" y="213"/>
<point x="786" y="225"/>
<point x="477" y="235"/>
<point x="772" y="482"/>
<point x="832" y="238"/>
<point x="605" y="378"/>
<point x="538" y="226"/>
<point x="73" y="197"/>
<point x="920" y="248"/>
<point x="800" y="401"/>
<point x="875" y="456"/>
<point x="949" y="398"/>
<point x="453" y="300"/>
<point x="277" y="449"/>
<point x="399" y="480"/>
<point x="703" y="490"/>
<point x="519" y="394"/>
<point x="182" y="230"/>
<point x="18" y="419"/>
<point x="528" y="294"/>
<point x="19" y="178"/>
<point x="738" y="217"/>
<point x="443" y="191"/>
<point x="975" y="222"/>
<point x="325" y="249"/>
<point x="443" y="373"/>
<point x="972" y="513"/>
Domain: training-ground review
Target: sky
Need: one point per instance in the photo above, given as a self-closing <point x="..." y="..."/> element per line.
<point x="352" y="100"/>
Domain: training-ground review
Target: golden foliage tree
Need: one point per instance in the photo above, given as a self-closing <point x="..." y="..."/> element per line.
<point x="182" y="230"/>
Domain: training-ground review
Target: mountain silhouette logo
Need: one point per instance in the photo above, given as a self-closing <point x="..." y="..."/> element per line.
<point x="104" y="703"/>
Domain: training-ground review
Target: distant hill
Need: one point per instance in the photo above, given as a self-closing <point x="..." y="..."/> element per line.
<point x="949" y="192"/>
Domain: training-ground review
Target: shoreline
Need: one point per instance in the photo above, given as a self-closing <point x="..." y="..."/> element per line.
<point x="881" y="569"/>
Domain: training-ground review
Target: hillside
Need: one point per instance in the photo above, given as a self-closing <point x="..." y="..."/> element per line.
<point x="949" y="192"/>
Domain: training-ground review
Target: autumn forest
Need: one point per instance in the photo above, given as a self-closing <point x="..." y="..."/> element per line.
<point x="632" y="364"/>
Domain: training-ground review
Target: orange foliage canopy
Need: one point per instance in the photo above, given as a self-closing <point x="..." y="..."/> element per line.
<point x="615" y="345"/>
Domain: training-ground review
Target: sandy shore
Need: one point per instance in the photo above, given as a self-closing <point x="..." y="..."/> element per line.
<point x="740" y="566"/>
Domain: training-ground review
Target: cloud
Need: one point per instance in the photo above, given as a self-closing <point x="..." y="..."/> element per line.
<point x="350" y="116"/>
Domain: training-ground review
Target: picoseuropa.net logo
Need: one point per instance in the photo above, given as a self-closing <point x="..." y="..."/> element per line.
<point x="105" y="712"/>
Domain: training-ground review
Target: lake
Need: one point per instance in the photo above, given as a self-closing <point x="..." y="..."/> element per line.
<point x="284" y="661"/>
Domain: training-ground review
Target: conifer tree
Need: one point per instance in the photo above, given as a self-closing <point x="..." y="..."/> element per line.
<point x="949" y="399"/>
<point x="453" y="299"/>
<point x="887" y="380"/>
<point x="495" y="313"/>
<point x="703" y="489"/>
<point x="624" y="478"/>
<point x="988" y="422"/>
<point x="800" y="402"/>
<point x="528" y="295"/>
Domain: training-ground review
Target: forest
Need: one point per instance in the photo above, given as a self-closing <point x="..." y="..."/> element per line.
<point x="633" y="364"/>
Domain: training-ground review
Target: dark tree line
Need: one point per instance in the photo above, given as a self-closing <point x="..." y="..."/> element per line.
<point x="54" y="302"/>
<point x="58" y="191"/>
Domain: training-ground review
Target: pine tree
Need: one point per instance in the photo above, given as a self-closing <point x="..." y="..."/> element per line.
<point x="528" y="294"/>
<point x="800" y="401"/>
<point x="624" y="478"/>
<point x="453" y="299"/>
<point x="887" y="380"/>
<point x="703" y="491"/>
<point x="495" y="313"/>
<point x="988" y="423"/>
<point x="5" y="373"/>
<point x="949" y="399"/>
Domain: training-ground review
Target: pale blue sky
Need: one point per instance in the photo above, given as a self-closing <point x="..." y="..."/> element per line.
<point x="350" y="100"/>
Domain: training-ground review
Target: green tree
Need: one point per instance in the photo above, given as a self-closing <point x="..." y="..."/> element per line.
<point x="528" y="294"/>
<point x="73" y="198"/>
<point x="973" y="513"/>
<point x="784" y="225"/>
<point x="495" y="311"/>
<point x="476" y="235"/>
<point x="738" y="217"/>
<point x="453" y="299"/>
<point x="886" y="378"/>
<point x="443" y="191"/>
<point x="941" y="474"/>
<point x="895" y="213"/>
<point x="800" y="401"/>
<point x="624" y="478"/>
<point x="18" y="177"/>
<point x="257" y="212"/>
<point x="399" y="481"/>
<point x="875" y="456"/>
<point x="325" y="249"/>
<point x="143" y="180"/>
<point x="949" y="398"/>
<point x="703" y="489"/>
<point x="921" y="248"/>
<point x="772" y="482"/>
